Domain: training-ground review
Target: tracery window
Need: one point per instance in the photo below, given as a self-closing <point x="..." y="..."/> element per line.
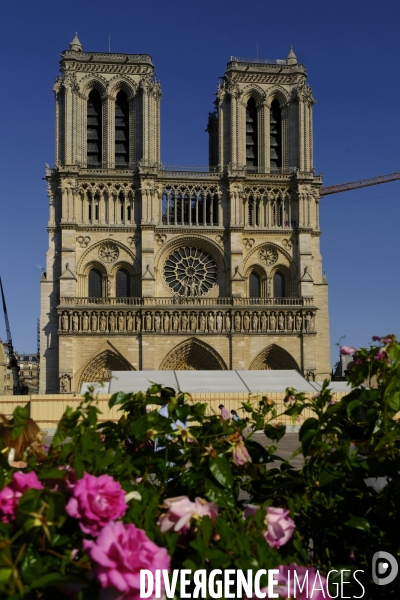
<point x="275" y="132"/>
<point x="190" y="271"/>
<point x="189" y="208"/>
<point x="123" y="284"/>
<point x="94" y="129"/>
<point x="279" y="284"/>
<point x="121" y="130"/>
<point x="95" y="283"/>
<point x="251" y="135"/>
<point x="253" y="211"/>
<point x="254" y="285"/>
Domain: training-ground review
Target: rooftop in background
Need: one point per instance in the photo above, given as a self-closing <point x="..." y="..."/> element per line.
<point x="290" y="61"/>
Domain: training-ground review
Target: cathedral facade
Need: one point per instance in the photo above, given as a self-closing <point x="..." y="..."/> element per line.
<point x="150" y="268"/>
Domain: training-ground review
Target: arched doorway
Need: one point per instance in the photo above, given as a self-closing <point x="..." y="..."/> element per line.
<point x="193" y="355"/>
<point x="274" y="358"/>
<point x="99" y="368"/>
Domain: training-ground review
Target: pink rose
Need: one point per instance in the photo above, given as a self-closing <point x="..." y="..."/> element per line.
<point x="119" y="553"/>
<point x="10" y="495"/>
<point x="240" y="454"/>
<point x="380" y="355"/>
<point x="347" y="350"/>
<point x="182" y="510"/>
<point x="280" y="526"/>
<point x="95" y="502"/>
<point x="312" y="586"/>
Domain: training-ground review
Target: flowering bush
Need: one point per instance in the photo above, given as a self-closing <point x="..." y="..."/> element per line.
<point x="105" y="504"/>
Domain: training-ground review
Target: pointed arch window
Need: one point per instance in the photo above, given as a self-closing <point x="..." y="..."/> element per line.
<point x="251" y="135"/>
<point x="94" y="129"/>
<point x="279" y="285"/>
<point x="95" y="280"/>
<point x="121" y="129"/>
<point x="123" y="284"/>
<point x="275" y="132"/>
<point x="254" y="285"/>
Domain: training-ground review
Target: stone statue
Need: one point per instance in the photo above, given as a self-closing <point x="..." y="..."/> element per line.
<point x="281" y="322"/>
<point x="129" y="322"/>
<point x="272" y="322"/>
<point x="219" y="321"/>
<point x="255" y="322"/>
<point x="202" y="319"/>
<point x="65" y="322"/>
<point x="184" y="322"/>
<point x="246" y="321"/>
<point x="121" y="322"/>
<point x="166" y="322"/>
<point x="93" y="322"/>
<point x="210" y="321"/>
<point x="299" y="322"/>
<point x="65" y="384"/>
<point x="112" y="322"/>
<point x="237" y="321"/>
<point x="175" y="321"/>
<point x="148" y="321"/>
<point x="85" y="322"/>
<point x="263" y="321"/>
<point x="157" y="322"/>
<point x="138" y="323"/>
<point x="103" y="322"/>
<point x="193" y="322"/>
<point x="290" y="322"/>
<point x="75" y="322"/>
<point x="307" y="321"/>
<point x="193" y="288"/>
<point x="227" y="322"/>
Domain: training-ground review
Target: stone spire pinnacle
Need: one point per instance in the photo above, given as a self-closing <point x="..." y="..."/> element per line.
<point x="75" y="44"/>
<point x="291" y="57"/>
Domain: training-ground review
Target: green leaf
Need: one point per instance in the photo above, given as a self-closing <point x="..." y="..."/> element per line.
<point x="5" y="575"/>
<point x="20" y="417"/>
<point x="358" y="523"/>
<point x="274" y="433"/>
<point x="221" y="470"/>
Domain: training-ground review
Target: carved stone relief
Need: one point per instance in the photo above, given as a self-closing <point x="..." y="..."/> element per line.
<point x="108" y="252"/>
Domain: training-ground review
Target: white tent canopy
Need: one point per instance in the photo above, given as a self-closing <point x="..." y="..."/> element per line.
<point x="207" y="381"/>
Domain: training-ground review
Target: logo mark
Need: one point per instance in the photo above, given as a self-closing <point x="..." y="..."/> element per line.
<point x="381" y="561"/>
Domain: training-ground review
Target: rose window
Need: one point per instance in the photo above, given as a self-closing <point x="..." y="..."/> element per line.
<point x="108" y="252"/>
<point x="269" y="255"/>
<point x="190" y="272"/>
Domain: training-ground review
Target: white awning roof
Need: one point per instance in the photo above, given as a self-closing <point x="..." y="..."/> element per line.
<point x="207" y="381"/>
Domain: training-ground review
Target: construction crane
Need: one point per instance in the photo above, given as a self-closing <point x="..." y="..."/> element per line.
<point x="352" y="185"/>
<point x="12" y="361"/>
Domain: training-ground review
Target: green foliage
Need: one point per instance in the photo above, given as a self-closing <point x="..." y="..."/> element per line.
<point x="341" y="519"/>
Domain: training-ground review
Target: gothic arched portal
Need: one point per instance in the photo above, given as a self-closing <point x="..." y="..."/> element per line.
<point x="99" y="368"/>
<point x="274" y="358"/>
<point x="193" y="355"/>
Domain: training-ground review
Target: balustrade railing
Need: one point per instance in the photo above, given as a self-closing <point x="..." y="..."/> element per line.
<point x="185" y="301"/>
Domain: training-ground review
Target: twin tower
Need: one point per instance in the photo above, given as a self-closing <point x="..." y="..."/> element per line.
<point x="150" y="268"/>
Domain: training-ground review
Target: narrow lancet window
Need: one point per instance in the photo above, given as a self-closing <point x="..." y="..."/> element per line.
<point x="251" y="135"/>
<point x="254" y="285"/>
<point x="279" y="285"/>
<point x="95" y="280"/>
<point x="123" y="283"/>
<point x="121" y="130"/>
<point x="275" y="132"/>
<point x="94" y="129"/>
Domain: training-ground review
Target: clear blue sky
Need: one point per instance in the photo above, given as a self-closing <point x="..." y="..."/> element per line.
<point x="352" y="52"/>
